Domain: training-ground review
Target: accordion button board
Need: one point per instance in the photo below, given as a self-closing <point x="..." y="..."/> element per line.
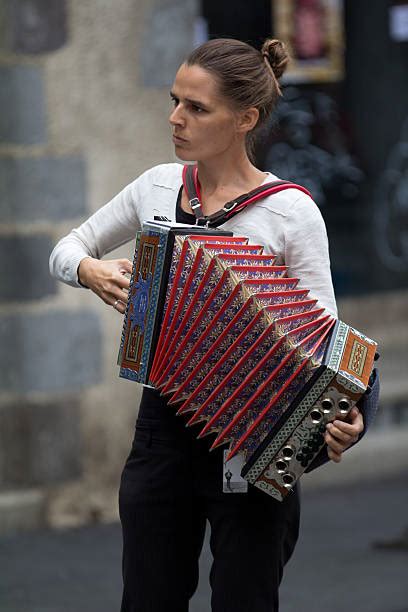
<point x="229" y="338"/>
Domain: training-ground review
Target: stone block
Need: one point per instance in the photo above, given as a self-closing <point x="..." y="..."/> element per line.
<point x="168" y="39"/>
<point x="51" y="351"/>
<point x="24" y="269"/>
<point x="22" y="510"/>
<point x="22" y="105"/>
<point x="37" y="26"/>
<point x="39" y="443"/>
<point x="42" y="189"/>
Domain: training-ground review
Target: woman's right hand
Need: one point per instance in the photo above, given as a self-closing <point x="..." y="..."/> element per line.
<point x="107" y="279"/>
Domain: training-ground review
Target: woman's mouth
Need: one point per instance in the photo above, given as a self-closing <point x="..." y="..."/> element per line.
<point x="178" y="140"/>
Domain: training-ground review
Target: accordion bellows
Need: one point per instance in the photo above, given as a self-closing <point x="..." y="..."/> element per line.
<point x="232" y="341"/>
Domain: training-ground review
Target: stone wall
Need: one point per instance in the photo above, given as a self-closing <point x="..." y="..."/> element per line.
<point x="83" y="110"/>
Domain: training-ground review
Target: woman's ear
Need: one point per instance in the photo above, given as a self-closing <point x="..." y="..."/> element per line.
<point x="247" y="119"/>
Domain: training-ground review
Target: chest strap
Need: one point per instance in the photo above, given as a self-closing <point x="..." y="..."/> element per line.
<point x="231" y="208"/>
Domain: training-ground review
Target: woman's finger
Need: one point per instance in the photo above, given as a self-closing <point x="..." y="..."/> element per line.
<point x="336" y="457"/>
<point x="350" y="429"/>
<point x="112" y="292"/>
<point x="335" y="445"/>
<point x="116" y="287"/>
<point x="338" y="433"/>
<point x="125" y="266"/>
<point x="356" y="420"/>
<point x="116" y="293"/>
<point x="119" y="306"/>
<point x="122" y="282"/>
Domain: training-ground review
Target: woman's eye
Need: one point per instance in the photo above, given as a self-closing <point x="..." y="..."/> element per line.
<point x="175" y="101"/>
<point x="197" y="109"/>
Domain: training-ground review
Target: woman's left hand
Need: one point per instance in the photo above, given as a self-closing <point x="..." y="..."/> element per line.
<point x="340" y="435"/>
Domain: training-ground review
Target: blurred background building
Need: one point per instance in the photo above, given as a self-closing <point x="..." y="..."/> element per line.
<point x="83" y="110"/>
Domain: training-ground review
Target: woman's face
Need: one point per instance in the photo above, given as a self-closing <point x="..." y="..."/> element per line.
<point x="203" y="121"/>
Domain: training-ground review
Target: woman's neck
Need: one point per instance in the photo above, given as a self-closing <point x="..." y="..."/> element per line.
<point x="235" y="173"/>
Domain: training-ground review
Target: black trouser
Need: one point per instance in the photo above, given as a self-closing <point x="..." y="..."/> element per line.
<point x="170" y="485"/>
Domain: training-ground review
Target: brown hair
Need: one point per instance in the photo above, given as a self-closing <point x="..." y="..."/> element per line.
<point x="247" y="77"/>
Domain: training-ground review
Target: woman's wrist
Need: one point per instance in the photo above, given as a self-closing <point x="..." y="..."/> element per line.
<point x="82" y="270"/>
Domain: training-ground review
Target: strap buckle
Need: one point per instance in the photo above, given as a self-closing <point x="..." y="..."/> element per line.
<point x="229" y="206"/>
<point x="194" y="203"/>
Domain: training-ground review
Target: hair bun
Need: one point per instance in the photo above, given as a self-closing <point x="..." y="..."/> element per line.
<point x="274" y="51"/>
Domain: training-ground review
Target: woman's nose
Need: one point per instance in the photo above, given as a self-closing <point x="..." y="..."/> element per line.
<point x="176" y="116"/>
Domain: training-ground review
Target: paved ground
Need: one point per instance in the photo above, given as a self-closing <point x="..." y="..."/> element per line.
<point x="335" y="566"/>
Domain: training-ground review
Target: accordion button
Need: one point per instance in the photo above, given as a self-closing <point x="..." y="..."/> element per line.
<point x="316" y="416"/>
<point x="281" y="466"/>
<point x="288" y="479"/>
<point x="288" y="452"/>
<point x="327" y="404"/>
<point x="344" y="405"/>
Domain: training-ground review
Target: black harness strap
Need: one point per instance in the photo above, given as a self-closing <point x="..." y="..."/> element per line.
<point x="230" y="209"/>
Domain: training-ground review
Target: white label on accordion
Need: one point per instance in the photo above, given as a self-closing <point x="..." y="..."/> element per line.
<point x="232" y="481"/>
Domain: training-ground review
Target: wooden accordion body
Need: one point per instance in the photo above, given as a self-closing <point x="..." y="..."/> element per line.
<point x="229" y="338"/>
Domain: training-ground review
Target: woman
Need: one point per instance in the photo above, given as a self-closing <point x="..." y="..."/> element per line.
<point x="222" y="94"/>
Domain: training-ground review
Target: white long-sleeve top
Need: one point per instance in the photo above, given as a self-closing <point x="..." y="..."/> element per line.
<point x="288" y="224"/>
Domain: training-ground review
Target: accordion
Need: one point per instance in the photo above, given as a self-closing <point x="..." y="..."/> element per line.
<point x="232" y="341"/>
